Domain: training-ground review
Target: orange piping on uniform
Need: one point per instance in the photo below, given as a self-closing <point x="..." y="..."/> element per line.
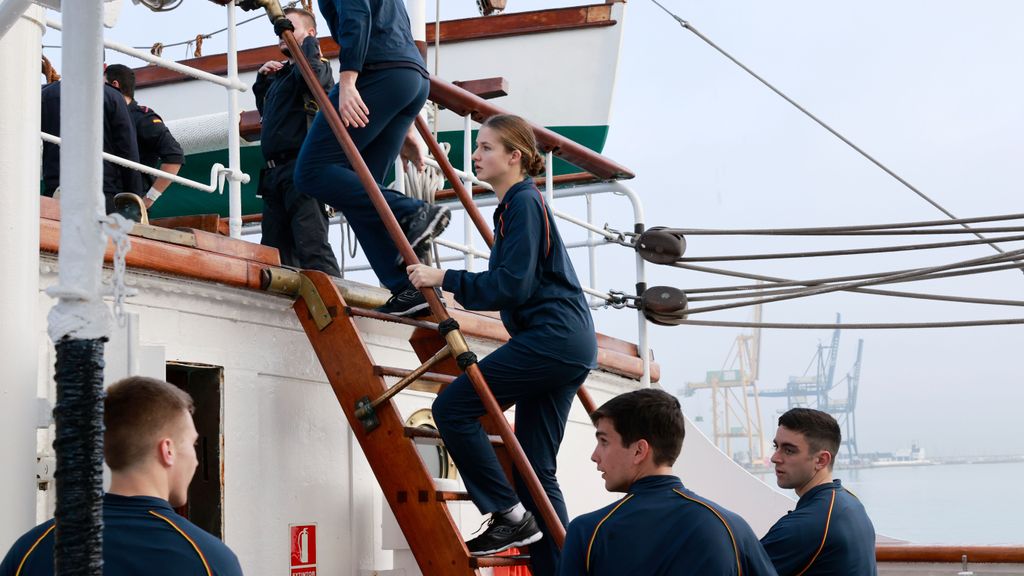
<point x="735" y="548"/>
<point x="598" y="527"/>
<point x="828" y="520"/>
<point x="202" y="557"/>
<point x="32" y="549"/>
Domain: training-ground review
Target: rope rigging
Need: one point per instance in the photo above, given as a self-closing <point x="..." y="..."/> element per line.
<point x="853" y="251"/>
<point x="861" y="283"/>
<point x="687" y="26"/>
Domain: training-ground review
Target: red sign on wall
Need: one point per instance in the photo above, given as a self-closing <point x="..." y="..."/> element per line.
<point x="303" y="549"/>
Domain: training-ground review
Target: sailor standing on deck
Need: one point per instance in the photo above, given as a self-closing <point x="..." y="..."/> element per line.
<point x="294" y="223"/>
<point x="382" y="87"/>
<point x="531" y="280"/>
<point x="157" y="146"/>
<point x="118" y="139"/>
<point x="659" y="528"/>
<point x="149" y="443"/>
<point x="829" y="532"/>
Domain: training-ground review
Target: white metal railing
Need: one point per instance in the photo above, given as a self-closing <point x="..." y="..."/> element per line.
<point x="218" y="173"/>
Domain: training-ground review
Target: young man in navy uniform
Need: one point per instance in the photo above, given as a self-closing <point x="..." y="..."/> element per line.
<point x="157" y="146"/>
<point x="118" y="139"/>
<point x="659" y="527"/>
<point x="382" y="85"/>
<point x="149" y="444"/>
<point x="294" y="223"/>
<point x="829" y="532"/>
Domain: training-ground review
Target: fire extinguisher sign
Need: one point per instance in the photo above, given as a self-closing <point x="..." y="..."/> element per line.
<point x="303" y="549"/>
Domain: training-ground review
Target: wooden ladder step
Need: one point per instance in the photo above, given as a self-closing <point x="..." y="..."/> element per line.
<point x="452" y="496"/>
<point x="432" y="434"/>
<point x="497" y="561"/>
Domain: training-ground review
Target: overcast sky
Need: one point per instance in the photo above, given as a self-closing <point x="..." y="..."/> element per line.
<point x="932" y="89"/>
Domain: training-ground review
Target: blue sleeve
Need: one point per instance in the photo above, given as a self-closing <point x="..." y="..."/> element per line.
<point x="787" y="545"/>
<point x="755" y="560"/>
<point x="9" y="564"/>
<point x="123" y="139"/>
<point x="353" y="33"/>
<point x="512" y="277"/>
<point x="21" y="546"/>
<point x="573" y="561"/>
<point x="260" y="88"/>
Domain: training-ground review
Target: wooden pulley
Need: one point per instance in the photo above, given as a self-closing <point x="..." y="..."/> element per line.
<point x="660" y="246"/>
<point x="664" y="305"/>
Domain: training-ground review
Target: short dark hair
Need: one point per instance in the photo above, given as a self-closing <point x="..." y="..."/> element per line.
<point x="304" y="13"/>
<point x="124" y="76"/>
<point x="647" y="414"/>
<point x="137" y="412"/>
<point x="820" y="429"/>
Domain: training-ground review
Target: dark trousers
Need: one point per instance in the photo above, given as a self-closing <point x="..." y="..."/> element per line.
<point x="294" y="223"/>
<point x="542" y="390"/>
<point x="394" y="97"/>
<point x="108" y="198"/>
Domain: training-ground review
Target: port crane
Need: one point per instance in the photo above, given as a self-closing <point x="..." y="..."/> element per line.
<point x="733" y="389"/>
<point x="815" y="391"/>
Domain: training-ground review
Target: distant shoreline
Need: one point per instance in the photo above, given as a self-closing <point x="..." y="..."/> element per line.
<point x="939" y="461"/>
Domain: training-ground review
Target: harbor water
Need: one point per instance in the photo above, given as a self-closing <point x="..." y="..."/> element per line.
<point x="959" y="504"/>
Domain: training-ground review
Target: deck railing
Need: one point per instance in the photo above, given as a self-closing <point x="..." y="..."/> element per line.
<point x="233" y="174"/>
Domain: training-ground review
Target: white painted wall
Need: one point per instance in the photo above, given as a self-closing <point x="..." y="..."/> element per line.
<point x="19" y="284"/>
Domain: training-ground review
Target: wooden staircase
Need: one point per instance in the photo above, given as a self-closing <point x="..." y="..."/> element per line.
<point x="420" y="509"/>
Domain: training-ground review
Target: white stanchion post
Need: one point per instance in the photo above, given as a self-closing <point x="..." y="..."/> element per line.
<point x="19" y="235"/>
<point x="234" y="137"/>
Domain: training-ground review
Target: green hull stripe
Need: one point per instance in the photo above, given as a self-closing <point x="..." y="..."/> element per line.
<point x="180" y="200"/>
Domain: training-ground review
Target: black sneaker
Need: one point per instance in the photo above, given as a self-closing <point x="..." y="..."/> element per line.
<point x="502" y="534"/>
<point x="409" y="302"/>
<point x="429" y="221"/>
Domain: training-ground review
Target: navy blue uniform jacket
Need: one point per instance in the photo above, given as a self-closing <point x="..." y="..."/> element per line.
<point x="141" y="535"/>
<point x="285" y="103"/>
<point x="530" y="279"/>
<point x="156" y="143"/>
<point x="372" y="34"/>
<point x="828" y="533"/>
<point x="662" y="529"/>
<point x="118" y="139"/>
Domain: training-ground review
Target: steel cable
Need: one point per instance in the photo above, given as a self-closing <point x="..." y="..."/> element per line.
<point x="687" y="26"/>
<point x="853" y="228"/>
<point x="853" y="251"/>
<point x="1015" y="254"/>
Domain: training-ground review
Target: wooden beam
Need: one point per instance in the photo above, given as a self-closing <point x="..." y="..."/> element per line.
<point x="485" y="88"/>
<point x="463" y="103"/>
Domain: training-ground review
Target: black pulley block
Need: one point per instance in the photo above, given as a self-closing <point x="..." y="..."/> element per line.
<point x="660" y="246"/>
<point x="664" y="305"/>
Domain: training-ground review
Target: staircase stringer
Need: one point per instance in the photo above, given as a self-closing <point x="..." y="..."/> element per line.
<point x="427" y="524"/>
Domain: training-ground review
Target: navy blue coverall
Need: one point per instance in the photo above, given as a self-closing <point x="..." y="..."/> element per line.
<point x="376" y="41"/>
<point x="118" y="139"/>
<point x="141" y="535"/>
<point x="294" y="223"/>
<point x="531" y="280"/>
<point x="828" y="533"/>
<point x="662" y="529"/>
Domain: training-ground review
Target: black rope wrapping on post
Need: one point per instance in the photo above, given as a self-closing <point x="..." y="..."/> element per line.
<point x="465" y="360"/>
<point x="78" y="544"/>
<point x="447" y="325"/>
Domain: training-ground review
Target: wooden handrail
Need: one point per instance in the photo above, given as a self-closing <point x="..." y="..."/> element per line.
<point x="474" y="213"/>
<point x="515" y="450"/>
<point x="460" y="190"/>
<point x="465" y="103"/>
<point x="950" y="554"/>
